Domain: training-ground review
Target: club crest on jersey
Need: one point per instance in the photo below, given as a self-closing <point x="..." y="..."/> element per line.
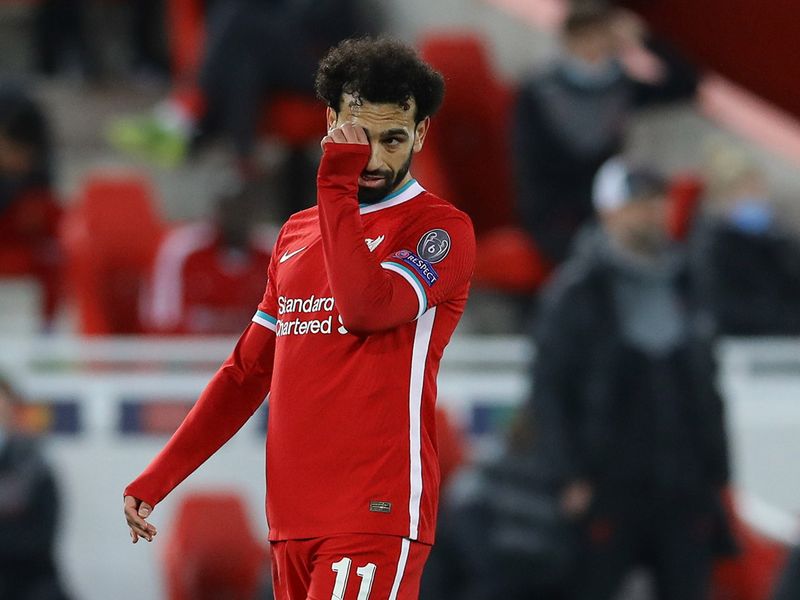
<point x="421" y="266"/>
<point x="373" y="243"/>
<point x="434" y="245"/>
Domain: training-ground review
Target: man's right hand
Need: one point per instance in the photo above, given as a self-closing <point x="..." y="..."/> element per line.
<point x="576" y="499"/>
<point x="136" y="512"/>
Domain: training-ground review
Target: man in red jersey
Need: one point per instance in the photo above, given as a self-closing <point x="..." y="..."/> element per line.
<point x="363" y="293"/>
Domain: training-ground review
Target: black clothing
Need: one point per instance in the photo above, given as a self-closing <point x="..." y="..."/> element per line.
<point x="500" y="534"/>
<point x="750" y="283"/>
<point x="256" y="49"/>
<point x="564" y="130"/>
<point x="788" y="587"/>
<point x="644" y="428"/>
<point x="28" y="514"/>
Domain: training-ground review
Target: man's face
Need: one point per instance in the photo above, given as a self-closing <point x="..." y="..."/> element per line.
<point x="593" y="45"/>
<point x="641" y="225"/>
<point x="394" y="137"/>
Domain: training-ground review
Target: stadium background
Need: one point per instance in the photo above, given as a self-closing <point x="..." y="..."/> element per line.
<point x="105" y="404"/>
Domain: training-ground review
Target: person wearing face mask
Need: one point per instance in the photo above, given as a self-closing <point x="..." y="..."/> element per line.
<point x="746" y="261"/>
<point x="624" y="400"/>
<point x="573" y="115"/>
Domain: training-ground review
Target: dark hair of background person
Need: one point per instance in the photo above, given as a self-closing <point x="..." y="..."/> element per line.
<point x="23" y="123"/>
<point x="379" y="70"/>
<point x="587" y="14"/>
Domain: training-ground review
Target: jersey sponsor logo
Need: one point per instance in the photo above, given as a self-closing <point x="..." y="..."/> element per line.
<point x="373" y="243"/>
<point x="300" y="325"/>
<point x="311" y="304"/>
<point x="287" y="255"/>
<point x="421" y="266"/>
<point x="434" y="245"/>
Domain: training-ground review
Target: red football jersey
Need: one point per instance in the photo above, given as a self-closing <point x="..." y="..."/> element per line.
<point x="360" y="304"/>
<point x="200" y="287"/>
<point x="351" y="443"/>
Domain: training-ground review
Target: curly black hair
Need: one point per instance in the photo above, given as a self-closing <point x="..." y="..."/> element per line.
<point x="380" y="70"/>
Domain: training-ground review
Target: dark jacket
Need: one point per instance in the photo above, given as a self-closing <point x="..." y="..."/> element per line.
<point x="28" y="514"/>
<point x="749" y="283"/>
<point x="605" y="412"/>
<point x="564" y="131"/>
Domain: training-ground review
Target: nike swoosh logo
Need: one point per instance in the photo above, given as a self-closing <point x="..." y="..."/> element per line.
<point x="287" y="255"/>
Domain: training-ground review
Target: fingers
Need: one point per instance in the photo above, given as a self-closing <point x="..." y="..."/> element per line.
<point x="347" y="133"/>
<point x="135" y="518"/>
<point x="145" y="509"/>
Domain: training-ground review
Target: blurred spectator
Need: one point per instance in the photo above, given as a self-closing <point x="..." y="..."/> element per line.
<point x="254" y="49"/>
<point x="573" y="116"/>
<point x="625" y="401"/>
<point x="443" y="573"/>
<point x="62" y="40"/>
<point x="208" y="277"/>
<point x="788" y="587"/>
<point x="29" y="212"/>
<point x="747" y="263"/>
<point x="503" y="527"/>
<point x="28" y="512"/>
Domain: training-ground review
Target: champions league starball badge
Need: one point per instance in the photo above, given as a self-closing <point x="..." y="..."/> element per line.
<point x="434" y="245"/>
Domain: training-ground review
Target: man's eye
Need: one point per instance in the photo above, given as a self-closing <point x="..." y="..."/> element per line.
<point x="392" y="141"/>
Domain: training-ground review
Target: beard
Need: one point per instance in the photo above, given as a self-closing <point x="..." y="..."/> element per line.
<point x="391" y="181"/>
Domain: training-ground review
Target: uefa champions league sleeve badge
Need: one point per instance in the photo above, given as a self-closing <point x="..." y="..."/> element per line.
<point x="434" y="245"/>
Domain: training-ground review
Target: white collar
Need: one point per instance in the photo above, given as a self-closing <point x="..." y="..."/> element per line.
<point x="410" y="190"/>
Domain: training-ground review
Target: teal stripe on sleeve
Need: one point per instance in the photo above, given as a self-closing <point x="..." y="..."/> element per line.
<point x="416" y="281"/>
<point x="266" y="317"/>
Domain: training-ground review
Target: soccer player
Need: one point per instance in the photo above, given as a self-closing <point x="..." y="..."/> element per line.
<point x="363" y="293"/>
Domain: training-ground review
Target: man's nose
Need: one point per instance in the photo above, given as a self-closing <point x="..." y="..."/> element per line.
<point x="375" y="160"/>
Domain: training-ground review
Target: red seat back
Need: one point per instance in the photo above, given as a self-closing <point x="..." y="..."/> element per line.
<point x="212" y="552"/>
<point x="469" y="141"/>
<point x="110" y="234"/>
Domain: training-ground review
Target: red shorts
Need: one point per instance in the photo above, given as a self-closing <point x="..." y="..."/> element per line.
<point x="348" y="567"/>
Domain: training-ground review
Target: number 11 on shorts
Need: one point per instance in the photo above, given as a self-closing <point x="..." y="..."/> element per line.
<point x="342" y="570"/>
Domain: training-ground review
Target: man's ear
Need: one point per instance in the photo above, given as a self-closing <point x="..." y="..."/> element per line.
<point x="421" y="132"/>
<point x="330" y="118"/>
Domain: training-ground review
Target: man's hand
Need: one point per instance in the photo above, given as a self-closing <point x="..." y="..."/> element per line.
<point x="136" y="512"/>
<point x="347" y="133"/>
<point x="576" y="499"/>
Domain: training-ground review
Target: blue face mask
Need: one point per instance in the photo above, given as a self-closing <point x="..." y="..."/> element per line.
<point x="589" y="75"/>
<point x="753" y="216"/>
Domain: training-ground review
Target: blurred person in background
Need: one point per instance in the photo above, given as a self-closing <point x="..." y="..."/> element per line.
<point x="788" y="586"/>
<point x="28" y="511"/>
<point x="503" y="528"/>
<point x="29" y="210"/>
<point x="207" y="276"/>
<point x="624" y="399"/>
<point x="746" y="260"/>
<point x="254" y="50"/>
<point x="573" y="116"/>
<point x="62" y="41"/>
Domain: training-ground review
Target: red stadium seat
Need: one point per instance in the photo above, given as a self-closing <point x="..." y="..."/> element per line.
<point x="110" y="234"/>
<point x="507" y="260"/>
<point x="469" y="142"/>
<point x="211" y="552"/>
<point x="752" y="574"/>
